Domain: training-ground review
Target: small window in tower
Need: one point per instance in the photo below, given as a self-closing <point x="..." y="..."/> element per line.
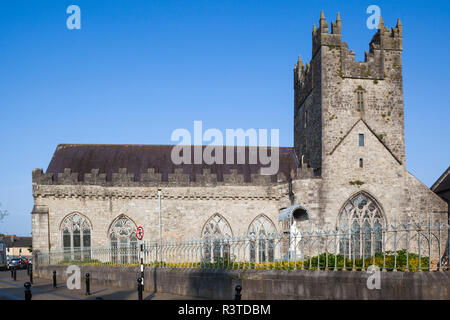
<point x="360" y="100"/>
<point x="361" y="163"/>
<point x="361" y="140"/>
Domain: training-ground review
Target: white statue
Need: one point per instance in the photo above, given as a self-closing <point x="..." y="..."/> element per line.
<point x="295" y="237"/>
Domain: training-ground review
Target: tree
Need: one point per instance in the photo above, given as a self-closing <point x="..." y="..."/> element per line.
<point x="3" y="213"/>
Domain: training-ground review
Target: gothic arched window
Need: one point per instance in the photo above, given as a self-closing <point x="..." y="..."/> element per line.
<point x="216" y="236"/>
<point x="123" y="241"/>
<point x="361" y="225"/>
<point x="76" y="237"/>
<point x="262" y="239"/>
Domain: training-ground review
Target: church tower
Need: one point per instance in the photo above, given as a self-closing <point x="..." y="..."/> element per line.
<point x="334" y="92"/>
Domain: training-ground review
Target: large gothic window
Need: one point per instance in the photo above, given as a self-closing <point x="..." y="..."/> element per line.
<point x="76" y="237"/>
<point x="216" y="236"/>
<point x="360" y="225"/>
<point x="262" y="239"/>
<point x="123" y="241"/>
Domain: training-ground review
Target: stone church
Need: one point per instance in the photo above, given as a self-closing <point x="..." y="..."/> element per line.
<point x="348" y="153"/>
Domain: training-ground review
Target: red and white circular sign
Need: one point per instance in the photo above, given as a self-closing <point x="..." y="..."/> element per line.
<point x="140" y="233"/>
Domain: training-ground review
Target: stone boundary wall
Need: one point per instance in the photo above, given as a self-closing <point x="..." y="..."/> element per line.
<point x="268" y="285"/>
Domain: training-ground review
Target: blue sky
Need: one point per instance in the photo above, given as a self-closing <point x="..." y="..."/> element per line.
<point x="137" y="70"/>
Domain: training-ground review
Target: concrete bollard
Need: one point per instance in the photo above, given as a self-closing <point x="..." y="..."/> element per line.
<point x="238" y="293"/>
<point x="139" y="287"/>
<point x="27" y="286"/>
<point x="88" y="285"/>
<point x="54" y="279"/>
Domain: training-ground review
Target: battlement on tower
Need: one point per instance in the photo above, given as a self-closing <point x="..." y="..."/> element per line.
<point x="151" y="178"/>
<point x="373" y="67"/>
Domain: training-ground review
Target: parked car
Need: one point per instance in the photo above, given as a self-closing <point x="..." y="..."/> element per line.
<point x="18" y="263"/>
<point x="24" y="262"/>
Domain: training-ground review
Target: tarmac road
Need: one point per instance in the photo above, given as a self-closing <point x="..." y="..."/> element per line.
<point x="42" y="289"/>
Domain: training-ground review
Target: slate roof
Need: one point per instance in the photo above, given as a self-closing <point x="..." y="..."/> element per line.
<point x="12" y="241"/>
<point x="82" y="158"/>
<point x="442" y="186"/>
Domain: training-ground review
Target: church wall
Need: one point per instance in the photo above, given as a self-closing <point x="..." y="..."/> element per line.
<point x="382" y="177"/>
<point x="420" y="201"/>
<point x="39" y="223"/>
<point x="184" y="210"/>
<point x="400" y="196"/>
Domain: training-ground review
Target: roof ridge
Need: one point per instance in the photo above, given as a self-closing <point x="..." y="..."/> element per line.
<point x="158" y="145"/>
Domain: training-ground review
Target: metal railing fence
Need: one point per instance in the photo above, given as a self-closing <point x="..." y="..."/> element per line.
<point x="399" y="247"/>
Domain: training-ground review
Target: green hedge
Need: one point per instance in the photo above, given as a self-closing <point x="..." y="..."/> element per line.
<point x="308" y="263"/>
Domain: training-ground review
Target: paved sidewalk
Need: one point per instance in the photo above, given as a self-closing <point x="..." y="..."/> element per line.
<point x="42" y="289"/>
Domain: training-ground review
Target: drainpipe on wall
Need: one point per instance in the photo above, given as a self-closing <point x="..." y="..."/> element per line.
<point x="48" y="236"/>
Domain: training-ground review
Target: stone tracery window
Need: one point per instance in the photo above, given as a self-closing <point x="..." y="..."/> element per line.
<point x="76" y="237"/>
<point x="216" y="236"/>
<point x="360" y="225"/>
<point x="123" y="241"/>
<point x="262" y="234"/>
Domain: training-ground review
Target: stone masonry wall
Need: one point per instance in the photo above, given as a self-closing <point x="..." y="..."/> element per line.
<point x="400" y="195"/>
<point x="184" y="210"/>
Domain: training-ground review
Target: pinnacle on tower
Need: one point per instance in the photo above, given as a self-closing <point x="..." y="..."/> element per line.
<point x="300" y="63"/>
<point x="381" y="24"/>
<point x="323" y="25"/>
<point x="399" y="27"/>
<point x="336" y="26"/>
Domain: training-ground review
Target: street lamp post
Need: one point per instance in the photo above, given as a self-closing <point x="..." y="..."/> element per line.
<point x="160" y="219"/>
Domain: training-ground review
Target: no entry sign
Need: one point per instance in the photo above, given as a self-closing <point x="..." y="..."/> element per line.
<point x="140" y="233"/>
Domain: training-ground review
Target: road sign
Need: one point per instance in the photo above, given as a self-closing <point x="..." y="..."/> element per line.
<point x="140" y="233"/>
<point x="140" y="236"/>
